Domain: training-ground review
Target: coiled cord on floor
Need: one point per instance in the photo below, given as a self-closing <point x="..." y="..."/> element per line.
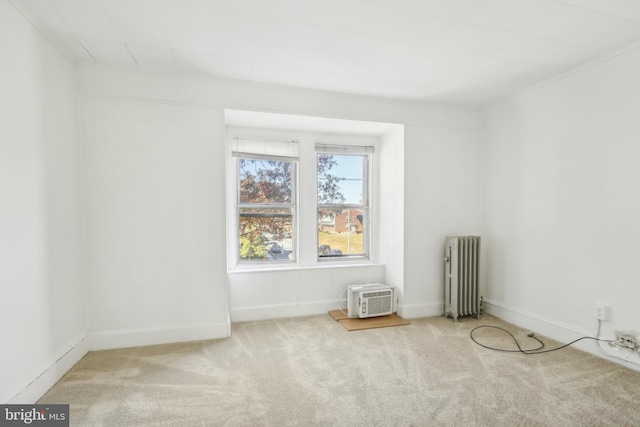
<point x="537" y="350"/>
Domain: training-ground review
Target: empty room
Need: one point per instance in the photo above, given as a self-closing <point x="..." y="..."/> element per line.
<point x="320" y="212"/>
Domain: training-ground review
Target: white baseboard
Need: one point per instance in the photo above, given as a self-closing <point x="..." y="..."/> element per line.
<point x="264" y="312"/>
<point x="274" y="311"/>
<point x="551" y="328"/>
<point x="49" y="375"/>
<point x="106" y="340"/>
<point x="415" y="311"/>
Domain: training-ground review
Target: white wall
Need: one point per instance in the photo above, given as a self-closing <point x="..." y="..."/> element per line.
<point x="305" y="286"/>
<point x="391" y="208"/>
<point x="42" y="302"/>
<point x="443" y="197"/>
<point x="437" y="132"/>
<point x="154" y="219"/>
<point x="294" y="292"/>
<point x="562" y="201"/>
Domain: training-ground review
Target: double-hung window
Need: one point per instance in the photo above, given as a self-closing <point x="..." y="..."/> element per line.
<point x="266" y="201"/>
<point x="281" y="218"/>
<point x="343" y="209"/>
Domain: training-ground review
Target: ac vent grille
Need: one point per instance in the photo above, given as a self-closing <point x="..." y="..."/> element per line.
<point x="380" y="304"/>
<point x="376" y="294"/>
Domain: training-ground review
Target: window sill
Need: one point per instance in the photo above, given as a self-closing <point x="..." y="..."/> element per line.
<point x="297" y="267"/>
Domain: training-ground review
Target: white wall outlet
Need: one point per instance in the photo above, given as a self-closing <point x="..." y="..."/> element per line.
<point x="603" y="312"/>
<point x="626" y="339"/>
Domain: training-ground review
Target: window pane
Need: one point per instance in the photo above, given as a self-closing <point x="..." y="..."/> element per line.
<point x="341" y="232"/>
<point x="266" y="234"/>
<point x="265" y="181"/>
<point x="341" y="179"/>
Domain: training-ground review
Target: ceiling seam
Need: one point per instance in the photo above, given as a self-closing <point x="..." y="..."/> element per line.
<point x="367" y="36"/>
<point x="132" y="57"/>
<point x="88" y="52"/>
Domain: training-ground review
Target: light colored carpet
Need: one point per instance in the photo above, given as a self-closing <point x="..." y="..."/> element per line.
<point x="310" y="371"/>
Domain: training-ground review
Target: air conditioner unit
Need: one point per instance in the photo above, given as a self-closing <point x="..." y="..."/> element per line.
<point x="370" y="300"/>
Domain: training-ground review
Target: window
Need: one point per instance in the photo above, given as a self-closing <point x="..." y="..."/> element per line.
<point x="343" y="201"/>
<point x="266" y="207"/>
<point x="297" y="201"/>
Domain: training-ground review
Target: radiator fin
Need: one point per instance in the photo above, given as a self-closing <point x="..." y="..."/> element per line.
<point x="462" y="276"/>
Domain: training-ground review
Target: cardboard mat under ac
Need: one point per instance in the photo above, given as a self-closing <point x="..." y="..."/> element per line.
<point x="356" y="324"/>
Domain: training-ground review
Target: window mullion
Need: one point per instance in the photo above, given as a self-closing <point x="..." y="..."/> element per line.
<point x="266" y="205"/>
<point x="340" y="206"/>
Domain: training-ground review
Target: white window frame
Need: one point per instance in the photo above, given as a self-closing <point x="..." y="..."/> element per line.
<point x="292" y="206"/>
<point x="257" y="148"/>
<point x="353" y="150"/>
<point x="305" y="239"/>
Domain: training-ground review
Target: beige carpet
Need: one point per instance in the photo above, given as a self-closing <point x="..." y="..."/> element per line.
<point x="311" y="372"/>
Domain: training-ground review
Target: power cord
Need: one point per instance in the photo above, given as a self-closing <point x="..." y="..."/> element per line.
<point x="340" y="298"/>
<point x="537" y="350"/>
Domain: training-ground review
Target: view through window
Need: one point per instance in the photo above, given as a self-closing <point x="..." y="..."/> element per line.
<point x="267" y="223"/>
<point x="342" y="205"/>
<point x="266" y="209"/>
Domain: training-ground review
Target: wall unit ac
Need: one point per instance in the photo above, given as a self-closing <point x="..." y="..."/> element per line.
<point x="370" y="300"/>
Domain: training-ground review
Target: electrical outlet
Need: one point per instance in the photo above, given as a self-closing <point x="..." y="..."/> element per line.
<point x="626" y="340"/>
<point x="603" y="312"/>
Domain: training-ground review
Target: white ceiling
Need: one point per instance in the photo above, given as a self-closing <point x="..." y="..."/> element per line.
<point x="452" y="51"/>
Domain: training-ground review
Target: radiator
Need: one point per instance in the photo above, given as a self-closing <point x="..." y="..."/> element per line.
<point x="461" y="276"/>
